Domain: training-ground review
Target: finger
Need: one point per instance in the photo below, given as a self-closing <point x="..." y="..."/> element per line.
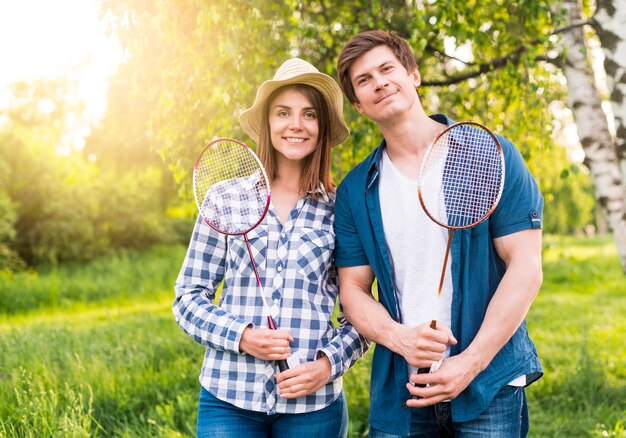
<point x="276" y="356"/>
<point x="425" y="396"/>
<point x="444" y="335"/>
<point x="288" y="374"/>
<point x="421" y="402"/>
<point x="282" y="334"/>
<point x="295" y="390"/>
<point x="425" y="358"/>
<point x="450" y="336"/>
<point x="431" y="378"/>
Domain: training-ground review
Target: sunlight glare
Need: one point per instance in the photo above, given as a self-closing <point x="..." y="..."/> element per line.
<point x="47" y="39"/>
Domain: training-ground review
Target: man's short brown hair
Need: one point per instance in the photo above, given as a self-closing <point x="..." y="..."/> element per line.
<point x="363" y="43"/>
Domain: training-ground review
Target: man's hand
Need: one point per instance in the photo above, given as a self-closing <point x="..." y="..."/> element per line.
<point x="453" y="376"/>
<point x="422" y="345"/>
<point x="266" y="344"/>
<point x="304" y="379"/>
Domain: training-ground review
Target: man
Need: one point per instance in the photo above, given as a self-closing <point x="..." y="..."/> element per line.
<point x="494" y="275"/>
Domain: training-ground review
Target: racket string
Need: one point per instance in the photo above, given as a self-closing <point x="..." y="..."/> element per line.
<point x="471" y="170"/>
<point x="231" y="187"/>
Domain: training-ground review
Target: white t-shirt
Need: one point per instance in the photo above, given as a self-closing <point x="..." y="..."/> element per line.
<point x="417" y="247"/>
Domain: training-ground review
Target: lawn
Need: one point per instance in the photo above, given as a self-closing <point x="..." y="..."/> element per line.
<point x="94" y="351"/>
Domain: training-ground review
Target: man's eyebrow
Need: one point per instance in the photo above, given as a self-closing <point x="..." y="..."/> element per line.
<point x="378" y="67"/>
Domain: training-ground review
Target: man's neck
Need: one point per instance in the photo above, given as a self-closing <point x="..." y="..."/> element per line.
<point x="411" y="133"/>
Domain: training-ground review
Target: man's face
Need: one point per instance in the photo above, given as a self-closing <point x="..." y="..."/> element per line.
<point x="382" y="85"/>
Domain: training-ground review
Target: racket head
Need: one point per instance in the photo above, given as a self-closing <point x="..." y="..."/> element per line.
<point x="231" y="187"/>
<point x="469" y="161"/>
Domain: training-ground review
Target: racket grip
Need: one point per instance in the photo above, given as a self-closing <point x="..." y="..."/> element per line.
<point x="433" y="325"/>
<point x="422" y="371"/>
<point x="282" y="364"/>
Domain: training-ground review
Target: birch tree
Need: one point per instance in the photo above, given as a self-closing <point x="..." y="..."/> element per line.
<point x="584" y="100"/>
<point x="610" y="24"/>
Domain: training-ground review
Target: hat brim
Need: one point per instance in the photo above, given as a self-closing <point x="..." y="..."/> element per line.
<point x="252" y="118"/>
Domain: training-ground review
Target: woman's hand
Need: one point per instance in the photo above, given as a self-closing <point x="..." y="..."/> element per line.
<point x="304" y="379"/>
<point x="266" y="344"/>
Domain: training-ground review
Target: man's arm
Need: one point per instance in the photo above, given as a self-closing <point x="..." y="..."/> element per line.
<point x="521" y="253"/>
<point x="419" y="345"/>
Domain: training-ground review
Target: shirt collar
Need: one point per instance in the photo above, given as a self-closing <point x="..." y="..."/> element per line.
<point x="321" y="190"/>
<point x="374" y="165"/>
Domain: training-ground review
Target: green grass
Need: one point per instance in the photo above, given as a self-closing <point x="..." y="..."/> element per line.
<point x="577" y="323"/>
<point x="129" y="275"/>
<point x="94" y="350"/>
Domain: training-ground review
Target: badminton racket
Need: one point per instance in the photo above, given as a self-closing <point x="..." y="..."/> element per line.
<point x="232" y="192"/>
<point x="467" y="162"/>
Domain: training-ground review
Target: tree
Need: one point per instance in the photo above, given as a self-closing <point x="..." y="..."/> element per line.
<point x="609" y="22"/>
<point x="585" y="101"/>
<point x="61" y="207"/>
<point x="486" y="62"/>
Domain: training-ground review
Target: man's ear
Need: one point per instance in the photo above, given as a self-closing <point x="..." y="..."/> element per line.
<point x="417" y="78"/>
<point x="358" y="107"/>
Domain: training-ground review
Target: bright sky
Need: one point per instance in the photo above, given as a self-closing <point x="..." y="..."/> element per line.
<point x="50" y="38"/>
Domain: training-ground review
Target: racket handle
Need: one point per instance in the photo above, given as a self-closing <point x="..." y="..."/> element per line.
<point x="270" y="323"/>
<point x="282" y="364"/>
<point x="433" y="325"/>
<point x="422" y="371"/>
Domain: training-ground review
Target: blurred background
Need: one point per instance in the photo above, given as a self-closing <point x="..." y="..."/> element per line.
<point x="105" y="104"/>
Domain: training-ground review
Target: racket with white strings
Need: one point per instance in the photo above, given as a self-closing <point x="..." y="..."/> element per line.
<point x="467" y="162"/>
<point x="232" y="192"/>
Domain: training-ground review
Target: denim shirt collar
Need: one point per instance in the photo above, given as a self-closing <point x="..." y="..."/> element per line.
<point x="374" y="164"/>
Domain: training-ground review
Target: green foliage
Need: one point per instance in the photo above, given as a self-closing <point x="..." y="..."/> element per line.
<point x="62" y="207"/>
<point x="199" y="64"/>
<point x="8" y="214"/>
<point x="116" y="364"/>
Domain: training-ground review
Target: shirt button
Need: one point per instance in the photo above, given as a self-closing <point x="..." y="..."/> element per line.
<point x="279" y="268"/>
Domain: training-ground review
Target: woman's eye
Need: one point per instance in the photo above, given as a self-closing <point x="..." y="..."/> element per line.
<point x="310" y="115"/>
<point x="283" y="114"/>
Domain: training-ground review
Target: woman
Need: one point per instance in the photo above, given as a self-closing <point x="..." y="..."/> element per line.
<point x="295" y="120"/>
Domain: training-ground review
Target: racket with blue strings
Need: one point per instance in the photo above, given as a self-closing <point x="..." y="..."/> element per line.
<point x="469" y="159"/>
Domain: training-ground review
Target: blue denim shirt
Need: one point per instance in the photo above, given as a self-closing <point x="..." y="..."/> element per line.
<point x="476" y="272"/>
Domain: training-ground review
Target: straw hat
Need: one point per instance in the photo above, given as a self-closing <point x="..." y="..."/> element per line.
<point x="298" y="71"/>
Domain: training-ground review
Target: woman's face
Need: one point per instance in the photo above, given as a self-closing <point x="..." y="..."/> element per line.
<point x="293" y="124"/>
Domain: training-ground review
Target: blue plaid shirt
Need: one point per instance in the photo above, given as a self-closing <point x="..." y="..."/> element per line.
<point x="295" y="263"/>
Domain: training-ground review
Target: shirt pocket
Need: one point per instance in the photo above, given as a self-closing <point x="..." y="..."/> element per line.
<point x="315" y="251"/>
<point x="239" y="257"/>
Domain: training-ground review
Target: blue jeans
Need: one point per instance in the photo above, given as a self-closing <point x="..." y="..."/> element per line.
<point x="506" y="417"/>
<point x="220" y="419"/>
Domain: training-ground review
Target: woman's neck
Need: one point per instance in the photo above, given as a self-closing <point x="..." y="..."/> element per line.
<point x="286" y="189"/>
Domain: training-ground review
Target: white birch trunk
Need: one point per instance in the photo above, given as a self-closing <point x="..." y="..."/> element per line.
<point x="610" y="25"/>
<point x="600" y="156"/>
